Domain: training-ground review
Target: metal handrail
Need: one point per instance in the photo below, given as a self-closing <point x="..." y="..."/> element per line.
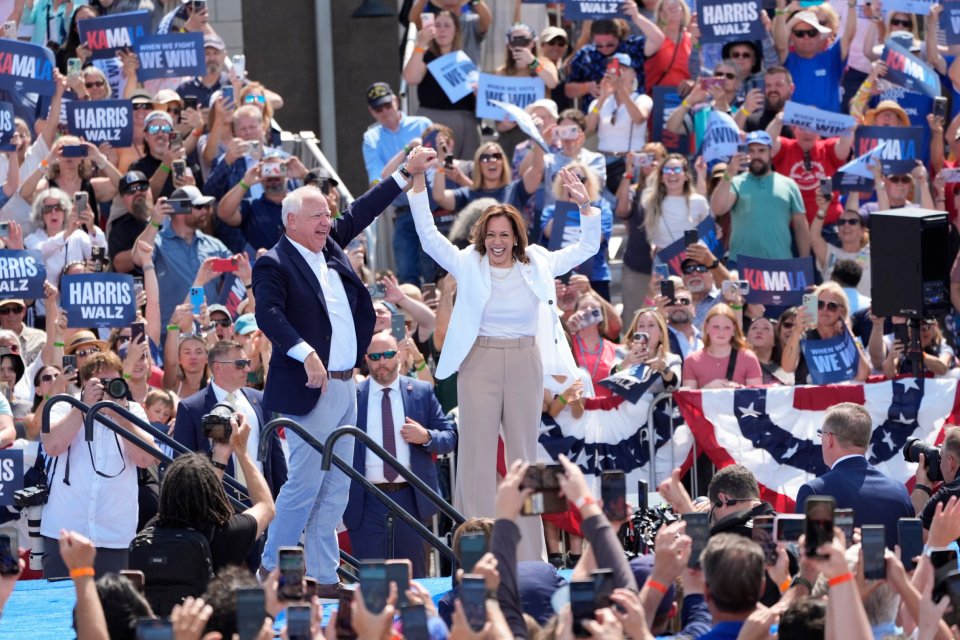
<point x="386" y="456"/>
<point x="354" y="475"/>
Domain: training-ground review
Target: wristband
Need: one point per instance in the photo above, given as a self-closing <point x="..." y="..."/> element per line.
<point x="248" y="286"/>
<point x="534" y="66"/>
<point x="562" y="399"/>
<point x="419" y="50"/>
<point x="245" y="186"/>
<point x="166" y="168"/>
<point x="745" y="111"/>
<point x="659" y="586"/>
<point x="583" y="501"/>
<point x="736" y="307"/>
<point x="219" y="465"/>
<point x="44" y="163"/>
<point x="628" y="176"/>
<point x="82" y="572"/>
<point x="713" y="265"/>
<point x="684" y="103"/>
<point x="922" y="487"/>
<point x="595" y="109"/>
<point x="786" y="584"/>
<point x="196" y="133"/>
<point x="148" y="266"/>
<point x="727" y="178"/>
<point x="154" y="223"/>
<point x="441" y="171"/>
<point x="58" y="344"/>
<point x="779" y="12"/>
<point x="837" y="580"/>
<point x="423" y="365"/>
<point x="45" y="398"/>
<point x="126" y="376"/>
<point x="800" y="581"/>
<point x="173" y="327"/>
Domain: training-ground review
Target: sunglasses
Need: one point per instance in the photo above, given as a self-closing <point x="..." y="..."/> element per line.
<point x="786" y="325"/>
<point x="900" y="23"/>
<point x="556" y="42"/>
<point x="48" y="208"/>
<point x="154" y="129"/>
<point x="829" y="306"/>
<point x="609" y="45"/>
<point x="900" y="179"/>
<point x="724" y="74"/>
<point x="388" y="355"/>
<point x="683" y="301"/>
<point x="242" y="363"/>
<point x="853" y="222"/>
<point x="695" y="268"/>
<point x="143" y="106"/>
<point x="174" y="111"/>
<point x="806" y="33"/>
<point x="95" y="83"/>
<point x="741" y="54"/>
<point x="222" y="323"/>
<point x="83" y="353"/>
<point x="383" y="107"/>
<point x="490" y="157"/>
<point x="49" y="377"/>
<point x="672" y="171"/>
<point x="254" y="98"/>
<point x="11" y="308"/>
<point x="135" y="188"/>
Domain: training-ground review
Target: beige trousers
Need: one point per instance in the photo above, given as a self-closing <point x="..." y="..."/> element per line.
<point x="500" y="384"/>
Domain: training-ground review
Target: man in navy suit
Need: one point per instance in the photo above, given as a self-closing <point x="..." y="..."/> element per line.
<point x="412" y="429"/>
<point x="852" y="481"/>
<point x="319" y="317"/>
<point x="230" y="366"/>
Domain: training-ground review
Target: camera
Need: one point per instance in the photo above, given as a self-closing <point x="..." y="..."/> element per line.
<point x="638" y="535"/>
<point x="31" y="500"/>
<point x="117" y="388"/>
<point x="911" y="453"/>
<point x="216" y="424"/>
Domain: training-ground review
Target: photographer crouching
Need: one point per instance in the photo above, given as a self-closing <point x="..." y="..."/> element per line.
<point x="935" y="466"/>
<point x="93" y="485"/>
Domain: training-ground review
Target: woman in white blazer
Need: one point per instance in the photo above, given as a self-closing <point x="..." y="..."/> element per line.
<point x="504" y="335"/>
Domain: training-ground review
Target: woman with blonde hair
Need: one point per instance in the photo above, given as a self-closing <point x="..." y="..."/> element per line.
<point x="670" y="202"/>
<point x="648" y="342"/>
<point x="726" y="360"/>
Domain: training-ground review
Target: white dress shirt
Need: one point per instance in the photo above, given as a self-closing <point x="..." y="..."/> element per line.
<point x="343" y="342"/>
<point x="374" y="465"/>
<point x="842" y="458"/>
<point x="241" y="404"/>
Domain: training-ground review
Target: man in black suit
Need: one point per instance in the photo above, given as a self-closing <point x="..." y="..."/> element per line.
<point x="319" y="317"/>
<point x="230" y="367"/>
<point x="852" y="481"/>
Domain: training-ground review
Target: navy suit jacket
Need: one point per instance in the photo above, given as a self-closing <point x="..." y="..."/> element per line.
<point x="291" y="308"/>
<point x="856" y="484"/>
<point x="188" y="431"/>
<point x="419" y="404"/>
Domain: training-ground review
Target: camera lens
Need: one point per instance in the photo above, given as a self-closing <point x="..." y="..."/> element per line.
<point x="911" y="453"/>
<point x="117" y="388"/>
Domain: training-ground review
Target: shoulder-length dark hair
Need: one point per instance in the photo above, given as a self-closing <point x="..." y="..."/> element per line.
<point x="479" y="232"/>
<point x="457" y="43"/>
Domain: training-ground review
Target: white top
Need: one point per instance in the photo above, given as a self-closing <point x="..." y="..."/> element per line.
<point x="374" y="465"/>
<point x="18" y="209"/>
<point x="512" y="309"/>
<point x="861" y="257"/>
<point x="676" y="217"/>
<point x="343" y="340"/>
<point x="103" y="509"/>
<point x="239" y="402"/>
<point x="57" y="252"/>
<point x="617" y="133"/>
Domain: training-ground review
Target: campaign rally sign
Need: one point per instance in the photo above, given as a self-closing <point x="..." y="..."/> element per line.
<point x="832" y="360"/>
<point x="631" y="383"/>
<point x="6" y="127"/>
<point x="26" y="68"/>
<point x="721" y="139"/>
<point x="98" y="300"/>
<point x="906" y="70"/>
<point x="107" y="34"/>
<point x="21" y="274"/>
<point x="665" y="101"/>
<point x="455" y="73"/>
<point x="525" y="121"/>
<point x="517" y="91"/>
<point x="900" y="149"/>
<point x="950" y="21"/>
<point x="919" y="7"/>
<point x="729" y="20"/>
<point x="566" y="231"/>
<point x="675" y="253"/>
<point x="11" y="475"/>
<point x="861" y="165"/>
<point x="777" y="283"/>
<point x="593" y="9"/>
<point x="826" y="123"/>
<point x="851" y="183"/>
<point x="100" y="121"/>
<point x="170" y="55"/>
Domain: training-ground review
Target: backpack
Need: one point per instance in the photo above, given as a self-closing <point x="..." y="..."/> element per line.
<point x="176" y="563"/>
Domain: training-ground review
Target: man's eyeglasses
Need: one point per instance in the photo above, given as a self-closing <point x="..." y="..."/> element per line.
<point x="667" y="171"/>
<point x="829" y="306"/>
<point x="223" y="323"/>
<point x="49" y="208"/>
<point x="383" y="107"/>
<point x="490" y="157"/>
<point x="682" y="301"/>
<point x="49" y="377"/>
<point x="900" y="23"/>
<point x="250" y="99"/>
<point x="143" y="106"/>
<point x="806" y="33"/>
<point x="135" y="188"/>
<point x="242" y="363"/>
<point x="741" y="54"/>
<point x="695" y="268"/>
<point x="724" y="74"/>
<point x="11" y="308"/>
<point x="174" y="111"/>
<point x="95" y="83"/>
<point x="822" y="432"/>
<point x="388" y="355"/>
<point x="154" y="129"/>
<point x="83" y="353"/>
<point x="850" y="221"/>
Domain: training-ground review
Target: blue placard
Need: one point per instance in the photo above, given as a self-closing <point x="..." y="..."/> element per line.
<point x="6" y="127"/>
<point x="98" y="300"/>
<point x="514" y="90"/>
<point x="26" y="68"/>
<point x="851" y="183"/>
<point x="525" y="121"/>
<point x="675" y="253"/>
<point x="456" y="74"/>
<point x="171" y="55"/>
<point x="631" y="383"/>
<point x="825" y="123"/>
<point x="901" y="146"/>
<point x="21" y="274"/>
<point x="729" y="20"/>
<point x="11" y="475"/>
<point x="593" y="9"/>
<point x="832" y="360"/>
<point x="106" y="35"/>
<point x="721" y="139"/>
<point x="100" y="121"/>
<point x="566" y="231"/>
<point x="908" y="71"/>
<point x="919" y="7"/>
<point x="665" y="101"/>
<point x="776" y="283"/>
<point x="950" y="21"/>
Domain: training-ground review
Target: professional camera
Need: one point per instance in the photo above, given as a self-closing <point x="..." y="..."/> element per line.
<point x="216" y="424"/>
<point x="911" y="453"/>
<point x="117" y="388"/>
<point x="31" y="500"/>
<point x="637" y="536"/>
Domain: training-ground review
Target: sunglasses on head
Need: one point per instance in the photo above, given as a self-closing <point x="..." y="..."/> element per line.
<point x="95" y="83"/>
<point x="242" y="363"/>
<point x="806" y="33"/>
<point x="829" y="306"/>
<point x="724" y="74"/>
<point x="900" y="23"/>
<point x="154" y="129"/>
<point x="853" y="222"/>
<point x="490" y="157"/>
<point x="83" y="353"/>
<point x="672" y="170"/>
<point x="695" y="268"/>
<point x="388" y="355"/>
<point x="250" y="99"/>
<point x="47" y="208"/>
<point x="10" y="308"/>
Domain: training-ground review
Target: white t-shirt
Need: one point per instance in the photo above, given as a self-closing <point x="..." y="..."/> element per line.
<point x="679" y="214"/>
<point x="513" y="310"/>
<point x="617" y="133"/>
<point x="18" y="209"/>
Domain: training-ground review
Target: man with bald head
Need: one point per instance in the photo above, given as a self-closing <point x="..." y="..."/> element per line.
<point x="319" y="317"/>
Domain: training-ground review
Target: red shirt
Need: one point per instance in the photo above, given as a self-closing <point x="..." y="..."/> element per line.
<point x="823" y="164"/>
<point x="669" y="65"/>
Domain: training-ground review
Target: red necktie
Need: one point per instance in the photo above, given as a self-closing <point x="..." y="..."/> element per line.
<point x="389" y="436"/>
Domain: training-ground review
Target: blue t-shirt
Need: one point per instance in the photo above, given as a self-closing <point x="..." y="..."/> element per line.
<point x="817" y="79"/>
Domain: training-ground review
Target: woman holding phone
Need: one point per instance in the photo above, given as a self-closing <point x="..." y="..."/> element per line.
<point x="504" y="335"/>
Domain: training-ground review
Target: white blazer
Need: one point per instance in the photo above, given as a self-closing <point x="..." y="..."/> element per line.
<point x="472" y="272"/>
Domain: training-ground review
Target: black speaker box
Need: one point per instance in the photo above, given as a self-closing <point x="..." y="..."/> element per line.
<point x="909" y="262"/>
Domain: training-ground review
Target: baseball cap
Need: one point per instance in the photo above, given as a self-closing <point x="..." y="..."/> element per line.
<point x="552" y="32"/>
<point x="808" y="17"/>
<point x="759" y="137"/>
<point x="319" y="174"/>
<point x="166" y="95"/>
<point x="905" y="39"/>
<point x="214" y="41"/>
<point x="219" y="307"/>
<point x="141" y="96"/>
<point x="157" y="115"/>
<point x="18" y="301"/>
<point x="547" y="104"/>
<point x="131" y="178"/>
<point x="379" y="93"/>
<point x="686" y="261"/>
<point x="247" y="323"/>
<point x="196" y="198"/>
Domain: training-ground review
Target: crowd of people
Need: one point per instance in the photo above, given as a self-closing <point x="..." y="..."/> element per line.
<point x="508" y="305"/>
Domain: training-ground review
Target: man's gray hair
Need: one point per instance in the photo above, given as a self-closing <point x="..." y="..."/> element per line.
<point x="293" y="201"/>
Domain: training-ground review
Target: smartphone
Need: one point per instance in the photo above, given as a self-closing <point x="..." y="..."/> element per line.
<point x="613" y="492"/>
<point x="227" y="94"/>
<point x="239" y="65"/>
<point x="309" y="588"/>
<point x="69" y="363"/>
<point x="729" y="287"/>
<point x="662" y="270"/>
<point x="426" y="19"/>
<point x="81" y="200"/>
<point x="826" y="187"/>
<point x="179" y="207"/>
<point x="224" y="265"/>
<point x="902" y="334"/>
<point x="708" y="83"/>
<point x="414" y="619"/>
<point x="744" y="287"/>
<point x="939" y="107"/>
<point x="873" y="545"/>
<point x="176" y="143"/>
<point x="298" y="622"/>
<point x="10" y="31"/>
<point x="542" y="478"/>
<point x="134" y="576"/>
<point x="603" y="585"/>
<point x="137" y="329"/>
<point x="944" y="563"/>
<point x="74" y="150"/>
<point x="154" y="629"/>
<point x="843" y="520"/>
<point x="344" y="617"/>
<point x="819" y="528"/>
<point x="668" y="291"/>
<point x="473" y="546"/>
<point x="292" y="569"/>
<point x="473" y="597"/>
<point x="374" y="584"/>
<point x="810" y="304"/>
<point x="788" y="527"/>
<point x="250" y="612"/>
<point x="762" y="534"/>
<point x="643" y="491"/>
<point x="582" y="605"/>
<point x="613" y="67"/>
<point x="698" y="528"/>
<point x="377" y="291"/>
<point x="99" y="258"/>
<point x="429" y="291"/>
<point x="398" y="571"/>
<point x="691" y="236"/>
<point x="197" y="299"/>
<point x="189" y="102"/>
<point x="179" y="166"/>
<point x="9" y="554"/>
<point x="910" y="534"/>
<point x="273" y="170"/>
<point x="398" y="326"/>
<point x="568" y="132"/>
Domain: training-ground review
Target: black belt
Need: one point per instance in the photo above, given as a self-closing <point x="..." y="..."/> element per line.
<point x="391" y="487"/>
<point x="340" y="375"/>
